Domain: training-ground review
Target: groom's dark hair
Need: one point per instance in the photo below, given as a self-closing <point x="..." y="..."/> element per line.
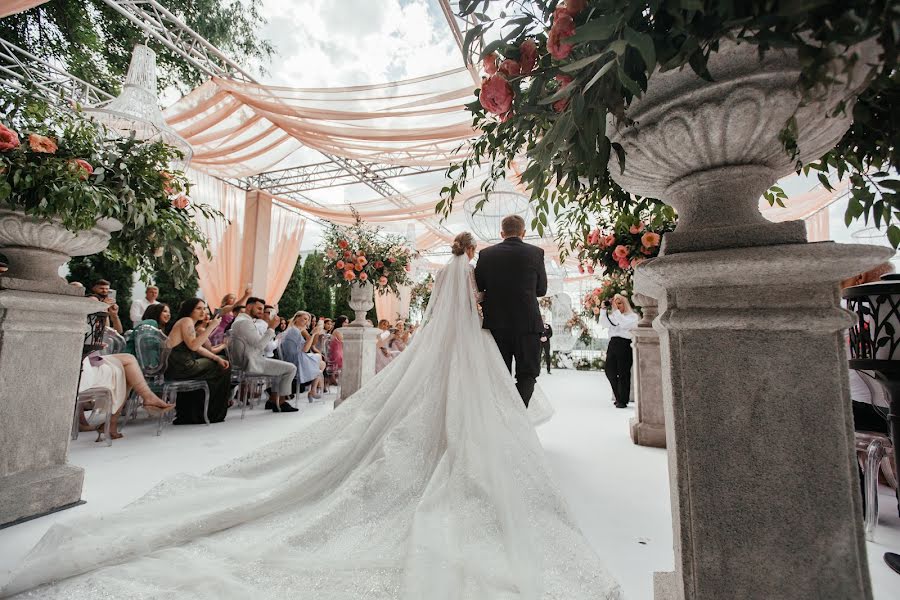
<point x="512" y="225"/>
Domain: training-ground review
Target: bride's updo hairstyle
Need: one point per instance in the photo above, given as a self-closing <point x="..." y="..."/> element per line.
<point x="461" y="243"/>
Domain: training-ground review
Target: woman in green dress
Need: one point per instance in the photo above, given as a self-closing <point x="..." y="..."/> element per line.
<point x="155" y="318"/>
<point x="188" y="359"/>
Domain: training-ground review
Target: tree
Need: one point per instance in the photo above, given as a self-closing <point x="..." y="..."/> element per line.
<point x="94" y="42"/>
<point x="172" y="295"/>
<point x="292" y="299"/>
<point x="316" y="292"/>
<point x="88" y="269"/>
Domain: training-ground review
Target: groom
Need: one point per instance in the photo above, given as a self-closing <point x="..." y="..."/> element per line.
<point x="512" y="276"/>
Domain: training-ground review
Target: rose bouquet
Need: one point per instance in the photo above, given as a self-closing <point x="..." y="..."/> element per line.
<point x="420" y="295"/>
<point x="619" y="249"/>
<point x="59" y="164"/>
<point x="358" y="254"/>
<point x="609" y="287"/>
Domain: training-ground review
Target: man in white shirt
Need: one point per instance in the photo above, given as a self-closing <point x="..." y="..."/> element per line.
<point x="247" y="339"/>
<point x="139" y="306"/>
<point x="261" y="326"/>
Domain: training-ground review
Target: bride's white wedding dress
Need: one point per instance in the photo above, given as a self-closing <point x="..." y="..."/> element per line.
<point x="429" y="483"/>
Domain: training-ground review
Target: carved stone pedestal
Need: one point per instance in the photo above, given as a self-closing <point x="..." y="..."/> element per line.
<point x="648" y="426"/>
<point x="41" y="338"/>
<point x="359" y="359"/>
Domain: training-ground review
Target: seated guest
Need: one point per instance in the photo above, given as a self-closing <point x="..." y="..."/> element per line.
<point x="138" y="307"/>
<point x="385" y="352"/>
<point x="296" y="348"/>
<point x="100" y="290"/>
<point x="116" y="373"/>
<point x="202" y="326"/>
<point x="261" y="326"/>
<point x="321" y="340"/>
<point x="188" y="359"/>
<point x="227" y="310"/>
<point x="157" y="317"/>
<point x="282" y="326"/>
<point x="254" y="343"/>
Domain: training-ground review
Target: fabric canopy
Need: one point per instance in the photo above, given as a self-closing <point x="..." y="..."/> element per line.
<point x="11" y="7"/>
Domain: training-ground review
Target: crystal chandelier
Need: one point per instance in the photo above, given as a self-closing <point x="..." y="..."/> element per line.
<point x="504" y="200"/>
<point x="137" y="107"/>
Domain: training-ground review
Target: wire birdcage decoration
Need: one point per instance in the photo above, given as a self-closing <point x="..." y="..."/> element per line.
<point x="136" y="109"/>
<point x="556" y="277"/>
<point x="503" y="201"/>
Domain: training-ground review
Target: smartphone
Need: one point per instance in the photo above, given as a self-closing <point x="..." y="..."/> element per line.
<point x="217" y="313"/>
<point x="112" y="295"/>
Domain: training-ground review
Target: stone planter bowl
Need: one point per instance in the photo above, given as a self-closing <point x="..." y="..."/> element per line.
<point x="710" y="149"/>
<point x="37" y="248"/>
<point x="362" y="299"/>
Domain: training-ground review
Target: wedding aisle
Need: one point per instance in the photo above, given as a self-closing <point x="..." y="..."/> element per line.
<point x="618" y="492"/>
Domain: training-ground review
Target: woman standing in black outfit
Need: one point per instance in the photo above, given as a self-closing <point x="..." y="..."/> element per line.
<point x="620" y="322"/>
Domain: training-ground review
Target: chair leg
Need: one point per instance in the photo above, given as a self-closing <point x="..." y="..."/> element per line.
<point x="159" y="423"/>
<point x="109" y="411"/>
<point x="75" y="421"/>
<point x="206" y="404"/>
<point x="874" y="455"/>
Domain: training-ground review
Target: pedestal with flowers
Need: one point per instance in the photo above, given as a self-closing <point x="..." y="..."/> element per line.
<point x="361" y="257"/>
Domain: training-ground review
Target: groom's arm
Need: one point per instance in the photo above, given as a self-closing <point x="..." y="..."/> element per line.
<point x="542" y="276"/>
<point x="480" y="273"/>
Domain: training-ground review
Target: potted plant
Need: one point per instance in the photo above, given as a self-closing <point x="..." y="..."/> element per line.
<point x="604" y="97"/>
<point x="366" y="260"/>
<point x="71" y="187"/>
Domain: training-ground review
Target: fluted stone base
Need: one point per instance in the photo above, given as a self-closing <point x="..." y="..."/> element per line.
<point x="359" y="359"/>
<point x="648" y="426"/>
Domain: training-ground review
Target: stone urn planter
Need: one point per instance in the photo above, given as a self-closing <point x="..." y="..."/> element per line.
<point x="362" y="300"/>
<point x="751" y="335"/>
<point x="37" y="248"/>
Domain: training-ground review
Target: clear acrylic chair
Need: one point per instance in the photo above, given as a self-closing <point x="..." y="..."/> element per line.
<point x="101" y="399"/>
<point x="332" y="369"/>
<point x="236" y="350"/>
<point x="152" y="355"/>
<point x="113" y="343"/>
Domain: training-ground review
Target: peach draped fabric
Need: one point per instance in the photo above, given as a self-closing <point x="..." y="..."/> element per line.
<point x="11" y="7"/>
<point x="392" y="306"/>
<point x="285" y="238"/>
<point x="238" y="128"/>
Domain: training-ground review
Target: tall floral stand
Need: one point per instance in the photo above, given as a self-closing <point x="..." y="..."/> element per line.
<point x="765" y="496"/>
<point x="42" y="326"/>
<point x="648" y="425"/>
<point x="359" y="343"/>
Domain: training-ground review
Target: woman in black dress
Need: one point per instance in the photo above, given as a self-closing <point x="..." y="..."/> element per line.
<point x="188" y="359"/>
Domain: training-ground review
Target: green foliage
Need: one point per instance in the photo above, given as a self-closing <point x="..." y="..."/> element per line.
<point x="420" y="295"/>
<point x="88" y="269"/>
<point x="94" y="42"/>
<point x="124" y="179"/>
<point x="170" y="293"/>
<point x="316" y="292"/>
<point x="292" y="299"/>
<point x="617" y="46"/>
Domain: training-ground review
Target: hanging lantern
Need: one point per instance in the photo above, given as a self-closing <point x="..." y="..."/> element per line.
<point x="136" y="109"/>
<point x="503" y="201"/>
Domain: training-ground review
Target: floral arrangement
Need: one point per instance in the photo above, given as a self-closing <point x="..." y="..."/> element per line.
<point x="59" y="164"/>
<point x="609" y="287"/>
<point x="555" y="70"/>
<point x="618" y="250"/>
<point x="545" y="303"/>
<point x="420" y="295"/>
<point x="357" y="255"/>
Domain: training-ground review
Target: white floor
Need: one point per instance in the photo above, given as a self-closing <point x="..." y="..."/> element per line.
<point x="618" y="492"/>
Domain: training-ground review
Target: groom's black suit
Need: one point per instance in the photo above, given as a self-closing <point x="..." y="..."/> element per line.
<point x="512" y="276"/>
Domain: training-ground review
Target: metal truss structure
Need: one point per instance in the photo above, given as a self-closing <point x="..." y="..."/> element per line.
<point x="324" y="175"/>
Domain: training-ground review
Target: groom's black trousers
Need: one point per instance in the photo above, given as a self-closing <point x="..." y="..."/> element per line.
<point x="526" y="349"/>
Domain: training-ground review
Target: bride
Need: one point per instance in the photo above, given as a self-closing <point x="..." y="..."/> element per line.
<point x="429" y="482"/>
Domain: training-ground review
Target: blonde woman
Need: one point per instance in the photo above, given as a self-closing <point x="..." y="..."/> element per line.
<point x="620" y="321"/>
<point x="297" y="348"/>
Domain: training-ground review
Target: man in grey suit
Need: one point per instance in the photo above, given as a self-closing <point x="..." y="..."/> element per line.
<point x="251" y="342"/>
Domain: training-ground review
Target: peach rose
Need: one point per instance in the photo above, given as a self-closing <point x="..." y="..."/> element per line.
<point x="330" y="254"/>
<point x="343" y="244"/>
<point x="609" y="241"/>
<point x="581" y="269"/>
<point x="489" y="64"/>
<point x="506" y="116"/>
<point x="9" y="139"/>
<point x="510" y="68"/>
<point x="527" y="56"/>
<point x="349" y="275"/>
<point x="650" y="239"/>
<point x="42" y="144"/>
<point x="636" y="229"/>
<point x="391" y="259"/>
<point x="594" y="237"/>
<point x="620" y="252"/>
<point x="382" y="280"/>
<point x="562" y="28"/>
<point x="590" y="269"/>
<point x="167" y="182"/>
<point x="362" y="261"/>
<point x="624" y="263"/>
<point x="378" y="264"/>
<point x="83" y="166"/>
<point x="573" y="7"/>
<point x="363" y="277"/>
<point x="340" y="265"/>
<point x="496" y="96"/>
<point x="646" y="250"/>
<point x="564" y="81"/>
<point x="358" y="267"/>
<point x="181" y="202"/>
<point x="347" y="254"/>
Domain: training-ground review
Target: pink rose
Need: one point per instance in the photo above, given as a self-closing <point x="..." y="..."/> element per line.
<point x="83" y="166"/>
<point x="408" y="268"/>
<point x="382" y="280"/>
<point x="594" y="237"/>
<point x="363" y="277"/>
<point x="343" y="244"/>
<point x="620" y="252"/>
<point x="181" y="202"/>
<point x="590" y="269"/>
<point x="378" y="264"/>
<point x="391" y="259"/>
<point x="330" y="254"/>
<point x="573" y="7"/>
<point x="340" y="265"/>
<point x="646" y="250"/>
<point x="609" y="241"/>
<point x="506" y="116"/>
<point x="527" y="56"/>
<point x="636" y="229"/>
<point x="496" y="96"/>
<point x="650" y="239"/>
<point x="490" y="63"/>
<point x="510" y="68"/>
<point x="9" y="139"/>
<point x="349" y="275"/>
<point x="42" y="144"/>
<point x="347" y="254"/>
<point x="561" y="104"/>
<point x="581" y="269"/>
<point x="562" y="28"/>
<point x="624" y="263"/>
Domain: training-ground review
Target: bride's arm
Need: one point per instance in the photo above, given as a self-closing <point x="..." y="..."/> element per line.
<point x="473" y="286"/>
